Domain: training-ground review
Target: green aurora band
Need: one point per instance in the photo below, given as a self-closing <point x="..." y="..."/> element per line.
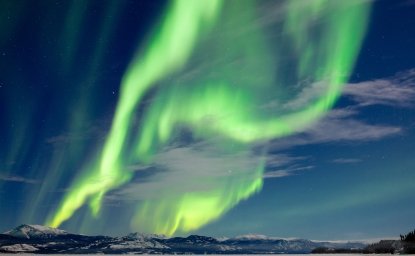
<point x="214" y="65"/>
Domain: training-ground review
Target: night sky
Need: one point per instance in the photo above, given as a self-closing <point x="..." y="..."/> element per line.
<point x="282" y="118"/>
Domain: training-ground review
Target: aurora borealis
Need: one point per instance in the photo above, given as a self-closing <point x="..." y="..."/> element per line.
<point x="173" y="115"/>
<point x="222" y="98"/>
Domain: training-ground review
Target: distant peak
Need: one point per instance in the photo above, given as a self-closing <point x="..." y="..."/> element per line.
<point x="34" y="231"/>
<point x="252" y="237"/>
<point x="137" y="235"/>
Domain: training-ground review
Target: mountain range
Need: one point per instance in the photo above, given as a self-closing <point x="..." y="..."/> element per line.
<point x="45" y="240"/>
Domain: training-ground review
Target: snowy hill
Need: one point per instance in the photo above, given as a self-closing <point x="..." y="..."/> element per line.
<point x="143" y="236"/>
<point x="34" y="231"/>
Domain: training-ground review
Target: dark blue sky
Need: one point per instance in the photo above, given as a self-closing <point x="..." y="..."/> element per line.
<point x="351" y="175"/>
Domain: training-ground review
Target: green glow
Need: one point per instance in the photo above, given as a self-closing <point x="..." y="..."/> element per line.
<point x="172" y="44"/>
<point x="190" y="211"/>
<point x="70" y="35"/>
<point x="237" y="68"/>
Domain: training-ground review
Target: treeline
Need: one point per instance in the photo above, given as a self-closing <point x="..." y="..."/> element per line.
<point x="410" y="237"/>
<point x="406" y="245"/>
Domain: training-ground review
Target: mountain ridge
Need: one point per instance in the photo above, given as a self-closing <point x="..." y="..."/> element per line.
<point x="45" y="240"/>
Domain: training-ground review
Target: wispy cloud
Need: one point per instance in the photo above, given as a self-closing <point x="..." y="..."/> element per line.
<point x="307" y="95"/>
<point x="283" y="165"/>
<point x="340" y="125"/>
<point x="346" y="160"/>
<point x="96" y="130"/>
<point x="277" y="174"/>
<point x="279" y="160"/>
<point x="344" y="124"/>
<point x="291" y="170"/>
<point x="397" y="91"/>
<point x="20" y="179"/>
<point x="195" y="167"/>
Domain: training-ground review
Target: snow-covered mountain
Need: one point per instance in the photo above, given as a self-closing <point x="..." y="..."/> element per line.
<point x="143" y="236"/>
<point x="40" y="239"/>
<point x="34" y="231"/>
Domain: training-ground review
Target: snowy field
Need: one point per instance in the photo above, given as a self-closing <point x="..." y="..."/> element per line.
<point x="338" y="254"/>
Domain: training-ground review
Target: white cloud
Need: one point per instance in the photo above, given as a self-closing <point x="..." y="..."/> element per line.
<point x="397" y="91"/>
<point x="283" y="165"/>
<point x="307" y="95"/>
<point x="19" y="179"/>
<point x="196" y="167"/>
<point x="279" y="160"/>
<point x="346" y="160"/>
<point x="277" y="174"/>
<point x="340" y="125"/>
<point x="292" y="170"/>
<point x="343" y="124"/>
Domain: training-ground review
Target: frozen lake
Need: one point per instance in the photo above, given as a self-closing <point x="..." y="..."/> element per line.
<point x="326" y="254"/>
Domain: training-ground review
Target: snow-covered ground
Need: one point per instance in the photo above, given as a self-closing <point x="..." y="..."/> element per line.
<point x="18" y="248"/>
